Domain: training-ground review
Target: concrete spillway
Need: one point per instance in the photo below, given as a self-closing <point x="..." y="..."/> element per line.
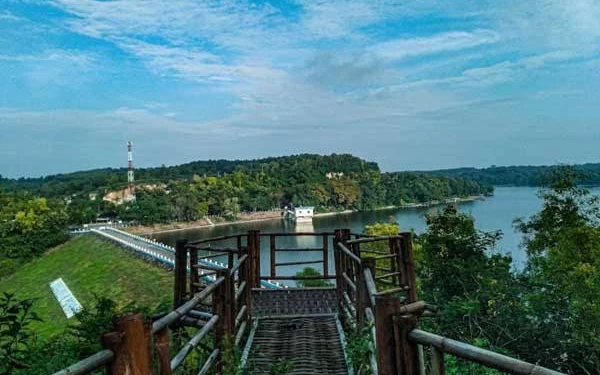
<point x="163" y="253"/>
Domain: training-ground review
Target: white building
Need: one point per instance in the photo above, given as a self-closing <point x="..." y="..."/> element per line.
<point x="304" y="213"/>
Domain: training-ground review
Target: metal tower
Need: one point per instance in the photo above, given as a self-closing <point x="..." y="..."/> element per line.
<point x="130" y="180"/>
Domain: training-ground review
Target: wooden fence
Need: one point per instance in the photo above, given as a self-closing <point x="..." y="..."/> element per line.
<point x="375" y="288"/>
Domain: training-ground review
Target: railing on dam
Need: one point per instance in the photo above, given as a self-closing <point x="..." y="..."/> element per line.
<point x="375" y="288"/>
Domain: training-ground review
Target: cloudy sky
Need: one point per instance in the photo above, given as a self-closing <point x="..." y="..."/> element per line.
<point x="408" y="84"/>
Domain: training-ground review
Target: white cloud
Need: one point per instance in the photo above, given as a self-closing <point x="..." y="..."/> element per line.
<point x="448" y="41"/>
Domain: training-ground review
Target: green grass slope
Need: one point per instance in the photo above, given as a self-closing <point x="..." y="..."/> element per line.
<point x="89" y="266"/>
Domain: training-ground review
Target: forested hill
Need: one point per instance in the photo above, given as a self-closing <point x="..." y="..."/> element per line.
<point x="286" y="168"/>
<point x="191" y="191"/>
<point x="519" y="175"/>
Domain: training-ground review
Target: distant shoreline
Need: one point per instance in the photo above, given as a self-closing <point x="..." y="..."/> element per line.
<point x="143" y="230"/>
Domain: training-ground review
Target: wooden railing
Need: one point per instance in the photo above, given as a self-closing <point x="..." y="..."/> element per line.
<point x="377" y="289"/>
<point x="375" y="286"/>
<point x="275" y="248"/>
<point x="130" y="346"/>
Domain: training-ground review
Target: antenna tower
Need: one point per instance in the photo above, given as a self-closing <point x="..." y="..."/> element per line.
<point x="130" y="179"/>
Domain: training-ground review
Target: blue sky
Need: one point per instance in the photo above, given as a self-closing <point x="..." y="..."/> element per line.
<point x="408" y="84"/>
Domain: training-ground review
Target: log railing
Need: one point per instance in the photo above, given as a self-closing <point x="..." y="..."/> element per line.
<point x="321" y="255"/>
<point x="376" y="291"/>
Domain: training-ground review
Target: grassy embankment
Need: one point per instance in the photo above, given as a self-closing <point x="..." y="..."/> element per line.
<point x="89" y="266"/>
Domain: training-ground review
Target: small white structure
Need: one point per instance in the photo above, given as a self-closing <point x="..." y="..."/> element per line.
<point x="304" y="214"/>
<point x="65" y="298"/>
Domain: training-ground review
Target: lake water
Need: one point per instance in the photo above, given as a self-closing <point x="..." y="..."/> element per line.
<point x="493" y="213"/>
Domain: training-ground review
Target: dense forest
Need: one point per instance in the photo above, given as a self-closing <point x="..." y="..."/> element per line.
<point x="194" y="190"/>
<point x="589" y="174"/>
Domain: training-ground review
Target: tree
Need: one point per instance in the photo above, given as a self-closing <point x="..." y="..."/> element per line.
<point x="15" y="333"/>
<point x="311" y="272"/>
<point x="476" y="292"/>
<point x="563" y="244"/>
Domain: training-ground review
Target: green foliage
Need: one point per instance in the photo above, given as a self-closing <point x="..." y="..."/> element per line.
<point x="90" y="267"/>
<point x="282" y="366"/>
<point x="587" y="174"/>
<point x="226" y="188"/>
<point x="563" y="243"/>
<point x="29" y="226"/>
<point x="359" y="347"/>
<point x="311" y="272"/>
<point x="91" y="324"/>
<point x="231" y="359"/>
<point x="477" y="293"/>
<point x="382" y="229"/>
<point x="15" y="332"/>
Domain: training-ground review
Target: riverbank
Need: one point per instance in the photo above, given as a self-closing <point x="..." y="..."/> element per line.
<point x="273" y="215"/>
<point x="250" y="217"/>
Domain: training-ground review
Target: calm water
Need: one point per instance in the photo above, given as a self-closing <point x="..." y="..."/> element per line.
<point x="493" y="213"/>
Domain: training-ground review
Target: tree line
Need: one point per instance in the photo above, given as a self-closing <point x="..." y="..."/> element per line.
<point x="191" y="191"/>
<point x="588" y="174"/>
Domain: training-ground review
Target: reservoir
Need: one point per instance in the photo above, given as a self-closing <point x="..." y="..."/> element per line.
<point x="492" y="213"/>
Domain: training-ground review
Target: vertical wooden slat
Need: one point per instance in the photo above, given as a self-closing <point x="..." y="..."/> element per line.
<point x="384" y="334"/>
<point x="353" y="268"/>
<point x="161" y="343"/>
<point x="398" y="354"/>
<point x="394" y="248"/>
<point x="245" y="270"/>
<point x="257" y="253"/>
<point x="272" y="256"/>
<point x="325" y="255"/>
<point x="254" y="258"/>
<point x="223" y="305"/>
<point x="409" y="266"/>
<point x="194" y="277"/>
<point x="229" y="259"/>
<point x="437" y="362"/>
<point x="406" y="349"/>
<point x="361" y="295"/>
<point x="337" y="259"/>
<point x="180" y="273"/>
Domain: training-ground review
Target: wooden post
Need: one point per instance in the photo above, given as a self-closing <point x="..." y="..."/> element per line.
<point x="223" y="300"/>
<point x="337" y="257"/>
<point x="325" y="255"/>
<point x="272" y="257"/>
<point x="395" y="263"/>
<point x="161" y="343"/>
<point x="437" y="362"/>
<point x="194" y="277"/>
<point x="254" y="258"/>
<point x="407" y="353"/>
<point x="384" y="333"/>
<point x="229" y="259"/>
<point x="245" y="274"/>
<point x="239" y="245"/>
<point x="180" y="289"/>
<point x="131" y="345"/>
<point x="408" y="261"/>
<point x="361" y="295"/>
